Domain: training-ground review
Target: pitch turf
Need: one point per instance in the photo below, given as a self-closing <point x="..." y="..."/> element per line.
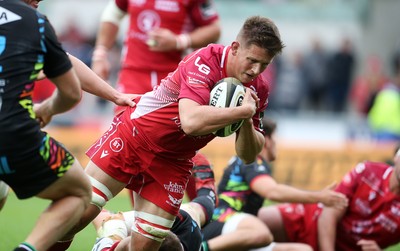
<point x="18" y="217"/>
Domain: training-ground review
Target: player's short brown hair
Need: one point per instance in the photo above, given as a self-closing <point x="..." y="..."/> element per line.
<point x="268" y="126"/>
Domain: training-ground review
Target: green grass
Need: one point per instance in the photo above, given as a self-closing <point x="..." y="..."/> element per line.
<point x="18" y="217"/>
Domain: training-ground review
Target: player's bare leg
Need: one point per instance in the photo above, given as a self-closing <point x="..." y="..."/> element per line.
<point x="155" y="216"/>
<point x="71" y="196"/>
<point x="99" y="177"/>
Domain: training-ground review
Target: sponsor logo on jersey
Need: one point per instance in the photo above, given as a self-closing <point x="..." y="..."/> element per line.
<point x="166" y="5"/>
<point x="174" y="201"/>
<point x="174" y="188"/>
<point x="137" y="2"/>
<point x="116" y="145"/>
<point x="7" y="16"/>
<point x="195" y="81"/>
<point x="148" y="20"/>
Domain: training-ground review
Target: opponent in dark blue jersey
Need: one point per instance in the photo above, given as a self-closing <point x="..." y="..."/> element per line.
<point x="31" y="162"/>
<point x="241" y="193"/>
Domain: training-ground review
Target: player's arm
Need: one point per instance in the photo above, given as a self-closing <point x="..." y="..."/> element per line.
<point x="93" y="84"/>
<point x="199" y="119"/>
<point x="204" y="35"/>
<point x="327" y="223"/>
<point x="66" y="96"/>
<point x="267" y="187"/>
<point x="249" y="142"/>
<point x="106" y="38"/>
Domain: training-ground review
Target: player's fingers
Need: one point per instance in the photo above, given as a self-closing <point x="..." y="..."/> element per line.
<point x="331" y="186"/>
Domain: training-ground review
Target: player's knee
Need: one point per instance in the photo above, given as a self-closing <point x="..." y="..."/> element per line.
<point x="151" y="226"/>
<point x="113" y="228"/>
<point x="208" y="205"/>
<point x="100" y="193"/>
<point x="260" y="235"/>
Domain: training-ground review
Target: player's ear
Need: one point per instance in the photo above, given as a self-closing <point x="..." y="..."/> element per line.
<point x="234" y="47"/>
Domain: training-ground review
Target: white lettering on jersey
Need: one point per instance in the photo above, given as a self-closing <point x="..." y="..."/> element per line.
<point x="202" y="67"/>
<point x="7" y="16"/>
<point x="165" y="5"/>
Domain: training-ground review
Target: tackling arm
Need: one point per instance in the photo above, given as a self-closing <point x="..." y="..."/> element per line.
<point x="93" y="84"/>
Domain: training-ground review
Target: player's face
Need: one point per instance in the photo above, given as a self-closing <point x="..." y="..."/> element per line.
<point x="33" y="3"/>
<point x="271" y="147"/>
<point x="249" y="62"/>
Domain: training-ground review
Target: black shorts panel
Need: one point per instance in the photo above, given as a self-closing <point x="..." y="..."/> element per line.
<point x="212" y="230"/>
<point x="32" y="172"/>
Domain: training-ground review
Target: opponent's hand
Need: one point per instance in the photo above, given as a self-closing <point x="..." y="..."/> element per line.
<point x="43" y="115"/>
<point x="124" y="99"/>
<point x="368" y="245"/>
<point x="331" y="198"/>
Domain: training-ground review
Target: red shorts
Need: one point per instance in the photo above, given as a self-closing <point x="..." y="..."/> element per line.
<point x="127" y="158"/>
<point x="300" y="221"/>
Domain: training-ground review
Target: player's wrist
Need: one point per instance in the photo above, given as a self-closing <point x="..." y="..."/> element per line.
<point x="100" y="53"/>
<point x="183" y="41"/>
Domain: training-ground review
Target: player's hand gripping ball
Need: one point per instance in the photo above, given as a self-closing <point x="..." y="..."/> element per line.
<point x="228" y="92"/>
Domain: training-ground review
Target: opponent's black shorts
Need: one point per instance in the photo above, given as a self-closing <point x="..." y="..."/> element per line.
<point x="212" y="230"/>
<point x="30" y="173"/>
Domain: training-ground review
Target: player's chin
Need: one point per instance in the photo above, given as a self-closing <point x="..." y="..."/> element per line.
<point x="246" y="78"/>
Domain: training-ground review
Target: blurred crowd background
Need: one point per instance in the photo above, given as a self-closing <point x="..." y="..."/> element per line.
<point x="339" y="55"/>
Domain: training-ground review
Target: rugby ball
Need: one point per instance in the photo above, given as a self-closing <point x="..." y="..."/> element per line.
<point x="228" y="92"/>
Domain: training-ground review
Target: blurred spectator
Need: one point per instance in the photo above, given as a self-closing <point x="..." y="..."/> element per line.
<point x="288" y="93"/>
<point x="75" y="43"/>
<point x="384" y="116"/>
<point x="340" y="69"/>
<point x="315" y="69"/>
<point x="366" y="86"/>
<point x="159" y="34"/>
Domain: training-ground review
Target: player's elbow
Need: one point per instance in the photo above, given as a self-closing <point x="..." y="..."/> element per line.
<point x="189" y="128"/>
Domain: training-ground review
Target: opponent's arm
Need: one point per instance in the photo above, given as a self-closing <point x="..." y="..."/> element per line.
<point x="267" y="187"/>
<point x="93" y="84"/>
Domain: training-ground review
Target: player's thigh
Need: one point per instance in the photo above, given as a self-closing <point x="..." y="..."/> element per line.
<point x="272" y="217"/>
<point x="95" y="172"/>
<point x="143" y="205"/>
<point x="74" y="182"/>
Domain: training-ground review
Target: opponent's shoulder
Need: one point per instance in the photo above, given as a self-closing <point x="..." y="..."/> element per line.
<point x="15" y="10"/>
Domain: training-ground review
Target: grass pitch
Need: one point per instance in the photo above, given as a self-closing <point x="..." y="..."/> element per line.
<point x="18" y="217"/>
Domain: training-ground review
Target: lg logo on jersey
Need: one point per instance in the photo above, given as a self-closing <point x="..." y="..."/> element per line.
<point x="202" y="67"/>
